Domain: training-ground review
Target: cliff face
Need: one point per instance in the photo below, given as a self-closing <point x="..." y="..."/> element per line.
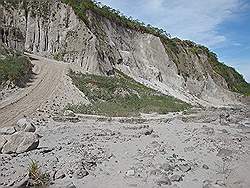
<point x="52" y="29"/>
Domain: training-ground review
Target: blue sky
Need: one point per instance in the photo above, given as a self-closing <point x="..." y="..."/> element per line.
<point x="222" y="25"/>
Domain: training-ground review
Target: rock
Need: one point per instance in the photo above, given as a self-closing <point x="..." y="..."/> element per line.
<point x="224" y="153"/>
<point x="30" y="128"/>
<point x="21" y="124"/>
<point x="46" y="150"/>
<point x="23" y="183"/>
<point x="185" y="167"/>
<point x="208" y="130"/>
<point x="71" y="185"/>
<point x="24" y="125"/>
<point x="164" y="180"/>
<point x="2" y="142"/>
<point x="205" y="167"/>
<point x="176" y="178"/>
<point x="220" y="183"/>
<point x="155" y="172"/>
<point x="80" y="173"/>
<point x="167" y="167"/>
<point x="207" y="184"/>
<point x="21" y="142"/>
<point x="10" y="184"/>
<point x="130" y="173"/>
<point x="73" y="119"/>
<point x="224" y="131"/>
<point x="60" y="174"/>
<point x="148" y="132"/>
<point x="7" y="131"/>
<point x="69" y="113"/>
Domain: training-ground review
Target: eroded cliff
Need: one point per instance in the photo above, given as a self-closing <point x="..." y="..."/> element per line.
<point x="99" y="45"/>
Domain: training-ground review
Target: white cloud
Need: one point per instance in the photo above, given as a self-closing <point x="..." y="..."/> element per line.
<point x="188" y="19"/>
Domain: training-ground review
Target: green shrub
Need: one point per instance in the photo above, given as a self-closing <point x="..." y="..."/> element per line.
<point x="37" y="178"/>
<point x="121" y="96"/>
<point x="16" y="69"/>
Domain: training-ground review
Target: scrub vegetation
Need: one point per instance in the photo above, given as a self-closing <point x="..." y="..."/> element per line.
<point x="121" y="96"/>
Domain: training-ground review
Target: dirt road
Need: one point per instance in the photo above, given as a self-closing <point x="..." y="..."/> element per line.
<point x="48" y="76"/>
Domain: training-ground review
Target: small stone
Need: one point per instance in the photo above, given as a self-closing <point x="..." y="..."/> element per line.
<point x="130" y="173"/>
<point x="80" y="173"/>
<point x="30" y="128"/>
<point x="205" y="167"/>
<point x="7" y="131"/>
<point x="156" y="172"/>
<point x="176" y="178"/>
<point x="224" y="153"/>
<point x="60" y="174"/>
<point x="69" y="113"/>
<point x="224" y="131"/>
<point x="148" y="132"/>
<point x="184" y="168"/>
<point x="71" y="185"/>
<point x="167" y="167"/>
<point x="23" y="183"/>
<point x="220" y="183"/>
<point x="47" y="150"/>
<point x="164" y="180"/>
<point x="21" y="124"/>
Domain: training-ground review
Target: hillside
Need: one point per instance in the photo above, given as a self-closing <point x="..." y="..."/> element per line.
<point x="106" y="41"/>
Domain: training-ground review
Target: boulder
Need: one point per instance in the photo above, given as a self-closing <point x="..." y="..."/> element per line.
<point x="2" y="142"/>
<point x="7" y="131"/>
<point x="24" y="125"/>
<point x="21" y="142"/>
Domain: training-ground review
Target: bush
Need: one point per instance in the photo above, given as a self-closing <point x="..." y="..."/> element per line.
<point x="37" y="178"/>
<point x="16" y="69"/>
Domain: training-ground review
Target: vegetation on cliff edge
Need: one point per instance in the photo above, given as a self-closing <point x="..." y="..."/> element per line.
<point x="14" y="68"/>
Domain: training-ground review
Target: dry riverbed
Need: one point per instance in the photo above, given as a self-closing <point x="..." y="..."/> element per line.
<point x="201" y="149"/>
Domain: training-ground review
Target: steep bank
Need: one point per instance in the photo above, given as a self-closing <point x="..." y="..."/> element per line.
<point x="97" y="44"/>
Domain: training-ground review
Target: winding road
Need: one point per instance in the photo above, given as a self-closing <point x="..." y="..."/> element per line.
<point x="48" y="76"/>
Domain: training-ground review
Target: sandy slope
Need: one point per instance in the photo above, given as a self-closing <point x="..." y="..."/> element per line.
<point x="49" y="76"/>
<point x="50" y="83"/>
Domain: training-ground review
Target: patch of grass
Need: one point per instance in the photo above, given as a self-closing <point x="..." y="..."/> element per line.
<point x="38" y="179"/>
<point x="121" y="96"/>
<point x="15" y="68"/>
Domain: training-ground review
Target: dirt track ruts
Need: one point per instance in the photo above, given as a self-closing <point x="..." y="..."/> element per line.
<point x="49" y="75"/>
